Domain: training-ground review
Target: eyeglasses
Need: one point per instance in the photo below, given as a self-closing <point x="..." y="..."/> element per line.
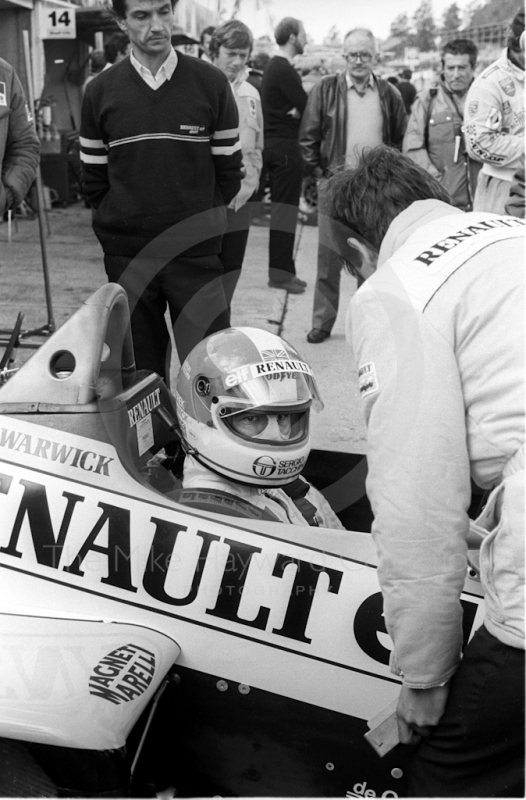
<point x="363" y="56"/>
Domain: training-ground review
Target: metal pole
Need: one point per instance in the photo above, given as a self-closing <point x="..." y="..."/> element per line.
<point x="51" y="327"/>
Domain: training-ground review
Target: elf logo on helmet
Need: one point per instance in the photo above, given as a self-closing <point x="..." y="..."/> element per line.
<point x="264" y="466"/>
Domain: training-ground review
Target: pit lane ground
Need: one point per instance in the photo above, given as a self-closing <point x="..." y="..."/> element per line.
<point x="76" y="271"/>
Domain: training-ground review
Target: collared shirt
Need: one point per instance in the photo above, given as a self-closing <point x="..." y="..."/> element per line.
<point x="370" y="84"/>
<point x="164" y="73"/>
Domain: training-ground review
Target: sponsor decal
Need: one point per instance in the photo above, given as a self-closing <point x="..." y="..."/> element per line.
<point x="145" y="438"/>
<point x="291" y="466"/>
<point x="144" y="407"/>
<point x="282" y="369"/>
<point x="483" y="154"/>
<point x="507" y="86"/>
<point x="473" y="107"/>
<point x="252" y="107"/>
<point x="192" y="129"/>
<point x="82" y="539"/>
<point x="53" y="451"/>
<point x="187" y="370"/>
<point x="506" y="107"/>
<point x="367" y="380"/>
<point x="264" y="466"/>
<point x="494" y="119"/>
<point x="3" y="94"/>
<point x="437" y="250"/>
<point x="123" y="674"/>
<point x="361" y="790"/>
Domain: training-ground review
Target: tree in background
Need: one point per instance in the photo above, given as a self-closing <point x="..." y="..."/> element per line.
<point x="451" y="19"/>
<point x="425" y="26"/>
<point x="333" y="38"/>
<point x="401" y="32"/>
<point x="494" y="11"/>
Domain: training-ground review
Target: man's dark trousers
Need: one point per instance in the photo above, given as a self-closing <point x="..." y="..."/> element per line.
<point x="233" y="246"/>
<point x="190" y="286"/>
<point x="284" y="164"/>
<point x="477" y="750"/>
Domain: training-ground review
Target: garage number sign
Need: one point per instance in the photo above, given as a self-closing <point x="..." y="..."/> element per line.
<point x="58" y="22"/>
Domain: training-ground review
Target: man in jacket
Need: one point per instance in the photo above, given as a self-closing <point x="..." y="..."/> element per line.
<point x="284" y="99"/>
<point x="437" y="333"/>
<point x="161" y="160"/>
<point x="345" y="113"/>
<point x="230" y="48"/>
<point x="495" y="122"/>
<point x="434" y="138"/>
<point x="19" y="144"/>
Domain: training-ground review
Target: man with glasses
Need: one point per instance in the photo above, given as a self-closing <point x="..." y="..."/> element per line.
<point x="345" y="113"/>
<point x="434" y="137"/>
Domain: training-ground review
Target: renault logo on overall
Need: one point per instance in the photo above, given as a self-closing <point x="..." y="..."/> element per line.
<point x="264" y="466"/>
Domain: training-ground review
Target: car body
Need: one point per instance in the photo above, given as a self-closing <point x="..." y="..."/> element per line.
<point x="271" y="636"/>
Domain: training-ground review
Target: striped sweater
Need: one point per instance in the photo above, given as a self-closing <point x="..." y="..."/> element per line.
<point x="155" y="163"/>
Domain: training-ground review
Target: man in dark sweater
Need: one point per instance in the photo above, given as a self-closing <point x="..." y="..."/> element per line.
<point x="284" y="99"/>
<point x="161" y="160"/>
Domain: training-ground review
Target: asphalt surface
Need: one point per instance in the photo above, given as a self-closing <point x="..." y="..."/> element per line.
<point x="75" y="270"/>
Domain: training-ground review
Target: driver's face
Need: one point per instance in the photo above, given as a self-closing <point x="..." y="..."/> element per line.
<point x="276" y="427"/>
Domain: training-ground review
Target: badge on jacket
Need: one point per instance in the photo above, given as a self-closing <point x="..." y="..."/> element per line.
<point x="507" y="86"/>
<point x="367" y="380"/>
<point x="252" y="106"/>
<point x="3" y="94"/>
<point x="494" y="119"/>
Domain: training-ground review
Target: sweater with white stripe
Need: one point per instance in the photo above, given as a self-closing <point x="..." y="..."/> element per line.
<point x="159" y="166"/>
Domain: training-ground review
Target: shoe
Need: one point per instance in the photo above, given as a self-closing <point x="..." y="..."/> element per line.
<point x="316" y="336"/>
<point x="290" y="286"/>
<point x="299" y="281"/>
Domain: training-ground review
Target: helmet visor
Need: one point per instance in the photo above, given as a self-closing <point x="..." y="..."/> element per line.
<point x="274" y="383"/>
<point x="267" y="425"/>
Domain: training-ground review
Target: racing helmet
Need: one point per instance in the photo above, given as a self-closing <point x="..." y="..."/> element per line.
<point x="244" y="397"/>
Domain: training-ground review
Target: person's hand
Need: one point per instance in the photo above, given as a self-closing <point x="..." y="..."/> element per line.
<point x="419" y="711"/>
<point x="294" y="113"/>
<point x="10" y="199"/>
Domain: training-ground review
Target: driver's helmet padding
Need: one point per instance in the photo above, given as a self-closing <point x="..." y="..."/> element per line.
<point x="244" y="397"/>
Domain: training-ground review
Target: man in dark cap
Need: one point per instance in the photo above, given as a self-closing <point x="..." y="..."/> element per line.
<point x="495" y="122"/>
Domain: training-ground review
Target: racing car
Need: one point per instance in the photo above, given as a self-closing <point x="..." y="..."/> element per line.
<point x="148" y="647"/>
